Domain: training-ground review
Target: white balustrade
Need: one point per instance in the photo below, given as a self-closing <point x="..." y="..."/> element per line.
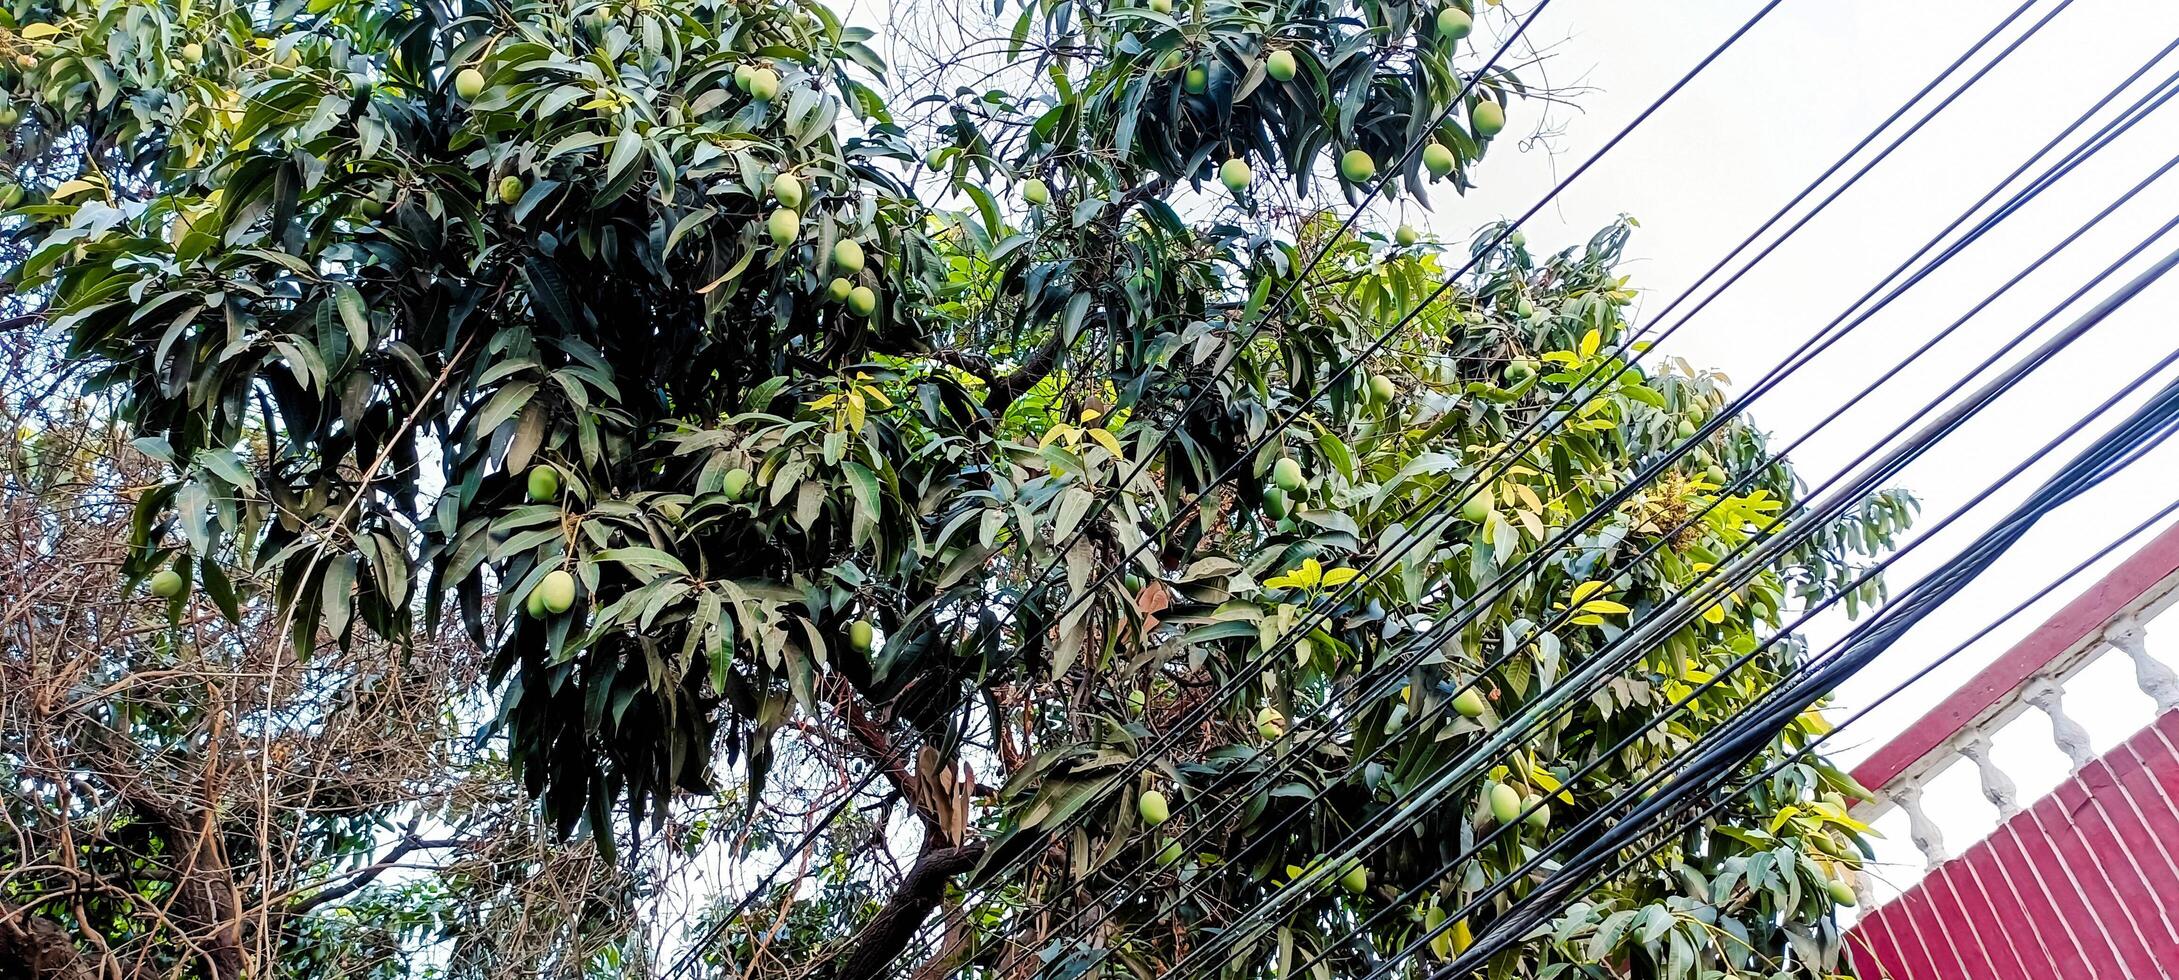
<point x="2155" y="679"/>
<point x="2048" y="696"/>
<point x="1927" y="838"/>
<point x="2017" y="685"/>
<point x="1997" y="787"/>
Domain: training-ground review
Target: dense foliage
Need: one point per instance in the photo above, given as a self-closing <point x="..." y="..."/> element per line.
<point x="765" y="436"/>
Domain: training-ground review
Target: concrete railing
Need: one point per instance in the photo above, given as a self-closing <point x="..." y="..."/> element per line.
<point x="2112" y="618"/>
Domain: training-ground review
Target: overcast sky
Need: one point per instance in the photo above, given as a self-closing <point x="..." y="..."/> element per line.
<point x="1765" y="120"/>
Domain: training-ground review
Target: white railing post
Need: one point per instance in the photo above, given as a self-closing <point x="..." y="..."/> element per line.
<point x="1922" y="830"/>
<point x="2048" y="695"/>
<point x="2154" y="678"/>
<point x="1997" y="787"/>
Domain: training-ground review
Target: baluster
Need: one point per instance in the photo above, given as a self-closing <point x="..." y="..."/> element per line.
<point x="1922" y="830"/>
<point x="2154" y="678"/>
<point x="2049" y="696"/>
<point x="1997" y="787"/>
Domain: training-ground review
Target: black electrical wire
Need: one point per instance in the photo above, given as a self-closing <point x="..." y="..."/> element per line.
<point x="2150" y="426"/>
<point x="1701" y="435"/>
<point x="1794" y="757"/>
<point x="1576" y="388"/>
<point x="2042" y="354"/>
<point x="1747" y="732"/>
<point x="1664" y="773"/>
<point x="1744" y="659"/>
<point x="1385" y="338"/>
<point x="2075" y="160"/>
<point x="2016" y="199"/>
<point x="1358" y="764"/>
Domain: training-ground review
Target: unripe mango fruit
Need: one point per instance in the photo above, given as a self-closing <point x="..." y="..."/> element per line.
<point x="468" y="83"/>
<point x="557" y="592"/>
<point x="1475" y="509"/>
<point x="1454" y="23"/>
<point x="1356" y="880"/>
<point x="847" y="257"/>
<point x="785" y="225"/>
<point x="168" y="584"/>
<point x="1505" y="803"/>
<point x="737" y="484"/>
<point x="1197" y="81"/>
<point x="763" y="84"/>
<point x="1234" y="173"/>
<point x="1357" y="166"/>
<point x="1287" y="474"/>
<point x="1280" y="65"/>
<point x="860" y="635"/>
<point x="862" y="301"/>
<point x="1469" y="703"/>
<point x="838" y="289"/>
<point x="1151" y="804"/>
<point x="1438" y="159"/>
<point x="788" y="190"/>
<point x="1035" y="192"/>
<point x="1487" y="118"/>
<point x="544" y="483"/>
<point x="1270" y="723"/>
<point x="510" y="189"/>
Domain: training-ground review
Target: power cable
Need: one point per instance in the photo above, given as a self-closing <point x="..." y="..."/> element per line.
<point x="1971" y="210"/>
<point x="1916" y="356"/>
<point x="1382" y="340"/>
<point x="1880" y="632"/>
<point x="2015" y="373"/>
<point x="1372" y="570"/>
<point x="1668" y="535"/>
<point x="2148" y="427"/>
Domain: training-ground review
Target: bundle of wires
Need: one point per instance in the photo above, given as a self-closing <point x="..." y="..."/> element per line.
<point x="1726" y="750"/>
<point x="1745" y="734"/>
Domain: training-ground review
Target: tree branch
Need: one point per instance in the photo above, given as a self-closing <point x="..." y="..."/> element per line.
<point x="1018" y="382"/>
<point x="365" y="875"/>
<point x="889" y="932"/>
<point x="32" y="948"/>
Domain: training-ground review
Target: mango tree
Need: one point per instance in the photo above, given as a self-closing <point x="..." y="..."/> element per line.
<point x="744" y="421"/>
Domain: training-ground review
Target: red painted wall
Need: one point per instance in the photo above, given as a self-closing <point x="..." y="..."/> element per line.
<point x="2082" y="884"/>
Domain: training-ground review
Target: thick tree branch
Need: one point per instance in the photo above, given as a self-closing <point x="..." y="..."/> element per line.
<point x="1018" y="382"/>
<point x="890" y="930"/>
<point x="32" y="948"/>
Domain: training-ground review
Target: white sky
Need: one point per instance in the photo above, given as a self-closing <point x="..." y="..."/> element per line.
<point x="1766" y="119"/>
